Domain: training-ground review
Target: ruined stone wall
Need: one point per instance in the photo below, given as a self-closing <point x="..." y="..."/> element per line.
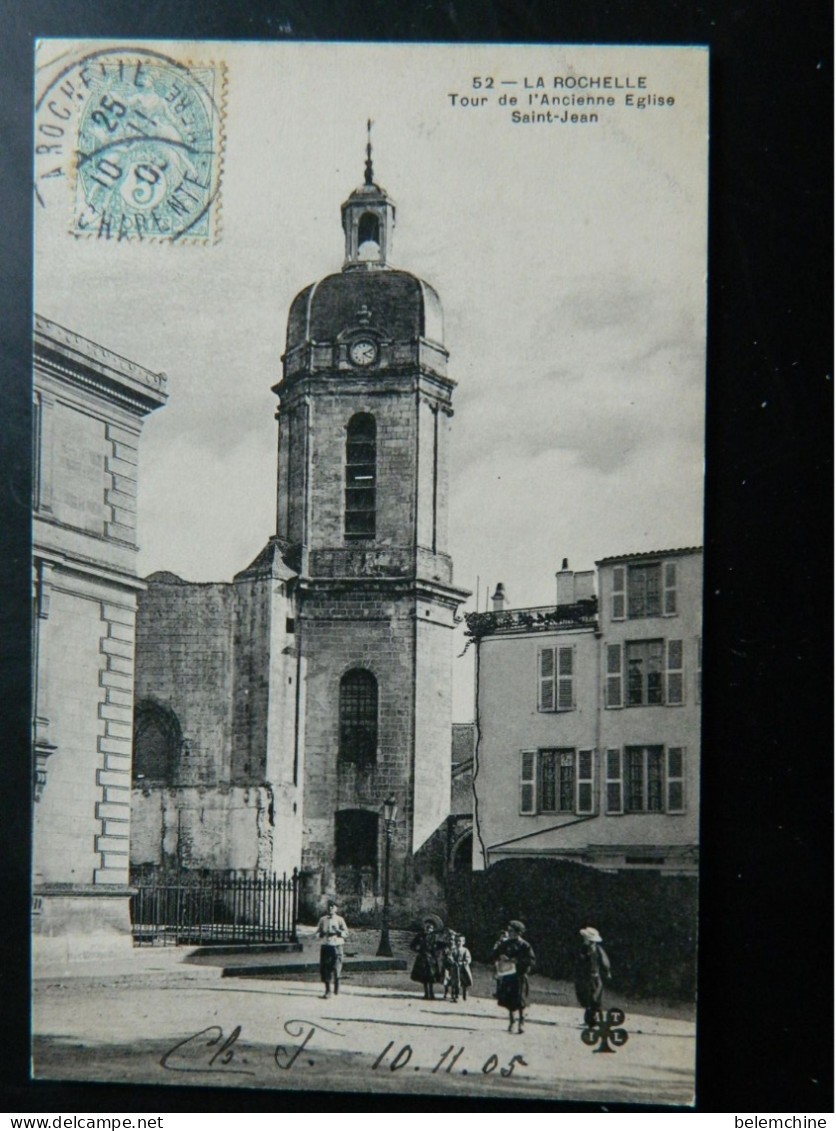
<point x="184" y="661"/>
<point x="221" y="658"/>
<point x="202" y="827"/>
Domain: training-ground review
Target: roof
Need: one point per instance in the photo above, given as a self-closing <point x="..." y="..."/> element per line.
<point x="401" y="307"/>
<point x="647" y="555"/>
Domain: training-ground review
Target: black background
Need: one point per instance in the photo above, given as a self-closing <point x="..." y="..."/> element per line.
<point x="765" y="1027"/>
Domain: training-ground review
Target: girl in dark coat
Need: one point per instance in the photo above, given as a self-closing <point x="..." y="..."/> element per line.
<point x="514" y="960"/>
<point x="427" y="945"/>
<point x="591" y="971"/>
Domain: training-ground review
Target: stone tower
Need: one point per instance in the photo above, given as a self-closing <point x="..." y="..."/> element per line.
<point x="364" y="435"/>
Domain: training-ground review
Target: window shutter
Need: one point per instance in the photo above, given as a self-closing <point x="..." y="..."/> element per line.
<point x="565" y="678"/>
<point x="615" y="789"/>
<point x="619" y="576"/>
<point x="613" y="697"/>
<point x="585" y="782"/>
<point x="527" y="781"/>
<point x="675" y="780"/>
<point x="546" y="664"/>
<point x="675" y="692"/>
<point x="670" y="589"/>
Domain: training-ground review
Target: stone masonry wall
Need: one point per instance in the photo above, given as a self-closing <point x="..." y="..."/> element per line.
<point x="343" y="630"/>
<point x="394" y="415"/>
<point x="184" y="662"/>
<point x="251" y="686"/>
<point x="217" y="656"/>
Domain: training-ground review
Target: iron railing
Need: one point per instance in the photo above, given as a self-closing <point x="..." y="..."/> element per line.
<point x="543" y="618"/>
<point x="209" y="907"/>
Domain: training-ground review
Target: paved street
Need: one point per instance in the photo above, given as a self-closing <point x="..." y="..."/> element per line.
<point x="155" y="1018"/>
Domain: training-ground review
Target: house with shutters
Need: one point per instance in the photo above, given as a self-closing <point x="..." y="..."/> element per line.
<point x="588" y="718"/>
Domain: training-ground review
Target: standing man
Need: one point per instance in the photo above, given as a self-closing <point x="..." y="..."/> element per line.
<point x="332" y="930"/>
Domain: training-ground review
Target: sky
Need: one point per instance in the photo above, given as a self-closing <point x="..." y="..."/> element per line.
<point x="570" y="260"/>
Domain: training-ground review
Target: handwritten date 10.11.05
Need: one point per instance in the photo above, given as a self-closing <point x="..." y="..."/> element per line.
<point x="446" y="1062"/>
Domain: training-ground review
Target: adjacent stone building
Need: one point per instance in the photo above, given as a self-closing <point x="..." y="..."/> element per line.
<point x="89" y="406"/>
<point x="588" y="718"/>
<point x="276" y="713"/>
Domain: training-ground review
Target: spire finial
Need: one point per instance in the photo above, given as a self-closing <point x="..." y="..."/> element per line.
<point x="369" y="172"/>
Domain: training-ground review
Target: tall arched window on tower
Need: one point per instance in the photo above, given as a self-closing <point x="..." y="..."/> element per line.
<point x="360" y="476"/>
<point x="358" y="717"/>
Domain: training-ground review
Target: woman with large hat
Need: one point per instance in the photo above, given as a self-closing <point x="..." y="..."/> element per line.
<point x="591" y="971"/>
<point x="514" y="960"/>
<point x="428" y="944"/>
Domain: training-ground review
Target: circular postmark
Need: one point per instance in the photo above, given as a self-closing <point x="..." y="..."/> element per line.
<point x="135" y="139"/>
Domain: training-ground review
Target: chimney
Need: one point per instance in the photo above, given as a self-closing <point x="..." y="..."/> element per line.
<point x="499" y="598"/>
<point x="565" y="584"/>
<point x="584" y="584"/>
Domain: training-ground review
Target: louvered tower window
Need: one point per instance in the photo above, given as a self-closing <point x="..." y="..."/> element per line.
<point x="360" y="476"/>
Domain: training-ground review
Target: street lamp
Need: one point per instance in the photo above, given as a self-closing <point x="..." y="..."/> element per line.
<point x="389" y="812"/>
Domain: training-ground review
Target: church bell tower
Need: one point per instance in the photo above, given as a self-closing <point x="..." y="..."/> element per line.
<point x="364" y="434"/>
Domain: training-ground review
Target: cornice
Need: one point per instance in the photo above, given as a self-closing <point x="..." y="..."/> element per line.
<point x="76" y="360"/>
<point x="393" y="381"/>
<point x="401" y="586"/>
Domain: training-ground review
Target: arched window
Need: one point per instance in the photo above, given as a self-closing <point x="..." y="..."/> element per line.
<point x="360" y="476"/>
<point x="368" y="236"/>
<point x="463" y="854"/>
<point x="158" y="741"/>
<point x="355" y="838"/>
<point x="358" y="717"/>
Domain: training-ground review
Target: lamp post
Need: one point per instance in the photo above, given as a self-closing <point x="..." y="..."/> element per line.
<point x="389" y="812"/>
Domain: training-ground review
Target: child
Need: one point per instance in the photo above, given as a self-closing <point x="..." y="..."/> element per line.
<point x="426" y="968"/>
<point x="463" y="961"/>
<point x="333" y="931"/>
<point x="448" y="965"/>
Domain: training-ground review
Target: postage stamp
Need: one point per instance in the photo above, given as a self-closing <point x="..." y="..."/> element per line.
<point x="138" y="137"/>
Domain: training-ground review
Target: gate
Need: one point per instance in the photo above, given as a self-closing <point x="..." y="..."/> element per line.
<point x="208" y="907"/>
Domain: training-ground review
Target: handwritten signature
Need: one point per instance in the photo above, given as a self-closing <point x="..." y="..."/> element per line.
<point x="211" y="1051"/>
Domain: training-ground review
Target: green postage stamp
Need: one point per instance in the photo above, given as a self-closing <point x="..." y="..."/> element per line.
<point x="139" y="134"/>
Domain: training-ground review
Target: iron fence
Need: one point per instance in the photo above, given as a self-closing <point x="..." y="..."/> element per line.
<point x="205" y="908"/>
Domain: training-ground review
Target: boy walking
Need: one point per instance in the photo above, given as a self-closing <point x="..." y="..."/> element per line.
<point x="332" y="929"/>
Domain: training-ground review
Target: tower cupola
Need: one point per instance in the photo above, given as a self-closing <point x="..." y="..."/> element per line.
<point x="368" y="221"/>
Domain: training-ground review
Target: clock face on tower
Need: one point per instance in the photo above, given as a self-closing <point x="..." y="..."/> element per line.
<point x="363" y="351"/>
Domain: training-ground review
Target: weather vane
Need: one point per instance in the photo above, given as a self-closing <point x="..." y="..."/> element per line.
<point x="369" y="173"/>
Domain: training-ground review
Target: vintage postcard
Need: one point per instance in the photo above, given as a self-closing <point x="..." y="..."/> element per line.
<point x="369" y="412"/>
